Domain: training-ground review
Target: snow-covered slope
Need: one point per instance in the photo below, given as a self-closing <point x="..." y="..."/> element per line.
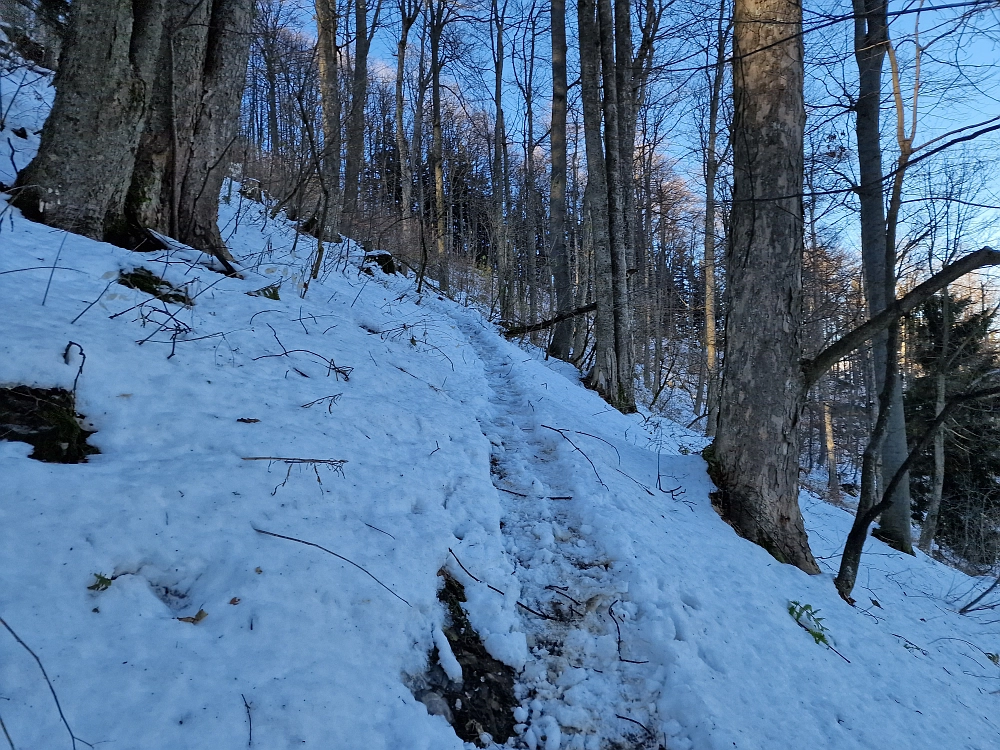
<point x="592" y="560"/>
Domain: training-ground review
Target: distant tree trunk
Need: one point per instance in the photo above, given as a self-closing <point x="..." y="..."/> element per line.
<point x="408" y="11"/>
<point x="356" y="116"/>
<point x="505" y="291"/>
<point x="929" y="528"/>
<point x="438" y="19"/>
<point x="328" y="52"/>
<point x="830" y="453"/>
<point x="563" y="332"/>
<point x="79" y="179"/>
<point x="754" y="459"/>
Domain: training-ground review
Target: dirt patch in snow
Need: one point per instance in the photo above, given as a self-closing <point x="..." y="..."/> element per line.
<point x="483" y="702"/>
<point x="47" y="419"/>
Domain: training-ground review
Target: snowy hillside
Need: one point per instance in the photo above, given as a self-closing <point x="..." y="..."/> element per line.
<point x="289" y="493"/>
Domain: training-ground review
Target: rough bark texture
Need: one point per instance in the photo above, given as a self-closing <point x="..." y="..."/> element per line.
<point x="329" y="87"/>
<point x="755" y="461"/>
<point x="563" y="332"/>
<point x="80" y="176"/>
<point x="603" y="376"/>
<point x="183" y="156"/>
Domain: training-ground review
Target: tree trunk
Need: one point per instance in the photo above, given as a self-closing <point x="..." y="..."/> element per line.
<point x="756" y="452"/>
<point x="79" y="179"/>
<point x="438" y="18"/>
<point x="356" y="116"/>
<point x="603" y="376"/>
<point x="878" y="254"/>
<point x="562" y="335"/>
<point x="328" y="52"/>
<point x="218" y="80"/>
<point x="711" y="172"/>
<point x="929" y="528"/>
<point x="408" y="11"/>
<point x="623" y="395"/>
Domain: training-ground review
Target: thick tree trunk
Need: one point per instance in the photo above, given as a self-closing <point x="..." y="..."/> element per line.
<point x="505" y="285"/>
<point x="78" y="180"/>
<point x="562" y="335"/>
<point x="220" y="79"/>
<point x="438" y="18"/>
<point x="756" y="452"/>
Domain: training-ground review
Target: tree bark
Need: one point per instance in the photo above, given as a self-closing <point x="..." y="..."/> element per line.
<point x="871" y="42"/>
<point x="756" y="451"/>
<point x="356" y="116"/>
<point x="80" y="176"/>
<point x="929" y="528"/>
<point x="563" y="332"/>
<point x="328" y="52"/>
<point x="408" y="11"/>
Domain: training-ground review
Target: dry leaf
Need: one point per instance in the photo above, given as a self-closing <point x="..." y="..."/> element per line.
<point x="247" y="420"/>
<point x="258" y="571"/>
<point x="202" y="614"/>
<point x="234" y="600"/>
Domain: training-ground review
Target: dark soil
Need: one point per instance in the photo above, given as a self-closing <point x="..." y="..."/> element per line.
<point x="146" y="281"/>
<point x="484" y="702"/>
<point x="47" y="419"/>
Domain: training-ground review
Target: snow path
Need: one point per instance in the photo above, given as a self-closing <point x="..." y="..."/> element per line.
<point x="563" y="573"/>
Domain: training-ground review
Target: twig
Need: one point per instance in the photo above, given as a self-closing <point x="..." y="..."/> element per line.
<point x="339" y="557"/>
<point x="94" y="302"/>
<point x="331" y="400"/>
<point x="436" y="449"/>
<point x="249" y="719"/>
<point x="625" y="718"/>
<point x="379" y="530"/>
<point x="7" y="734"/>
<point x="83" y="361"/>
<point x="73" y="737"/>
<point x="563" y="433"/>
<point x="611" y="612"/>
<point x="54" y="264"/>
<point x="494" y="588"/>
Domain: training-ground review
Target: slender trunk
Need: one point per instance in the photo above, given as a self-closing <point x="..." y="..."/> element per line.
<point x="877" y="244"/>
<point x="328" y="52"/>
<point x="500" y="249"/>
<point x="929" y="528"/>
<point x="623" y="396"/>
<point x="438" y="20"/>
<point x="356" y="117"/>
<point x="408" y="11"/>
<point x="561" y="337"/>
<point x="754" y="460"/>
<point x="711" y="172"/>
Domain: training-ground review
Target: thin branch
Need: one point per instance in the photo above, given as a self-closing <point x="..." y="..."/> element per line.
<point x="519" y="330"/>
<point x="48" y="682"/>
<point x="813" y="369"/>
<point x="339" y="557"/>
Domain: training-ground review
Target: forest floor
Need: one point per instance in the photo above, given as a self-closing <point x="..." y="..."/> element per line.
<point x="255" y="557"/>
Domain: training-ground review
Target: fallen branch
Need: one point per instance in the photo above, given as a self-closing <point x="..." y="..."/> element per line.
<point x="7" y="734"/>
<point x="611" y="613"/>
<point x="563" y="433"/>
<point x="494" y="588"/>
<point x="249" y="719"/>
<point x="520" y="330"/>
<point x="339" y="557"/>
<point x="73" y="737"/>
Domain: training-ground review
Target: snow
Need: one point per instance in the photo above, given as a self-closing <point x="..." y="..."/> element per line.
<point x="462" y="451"/>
